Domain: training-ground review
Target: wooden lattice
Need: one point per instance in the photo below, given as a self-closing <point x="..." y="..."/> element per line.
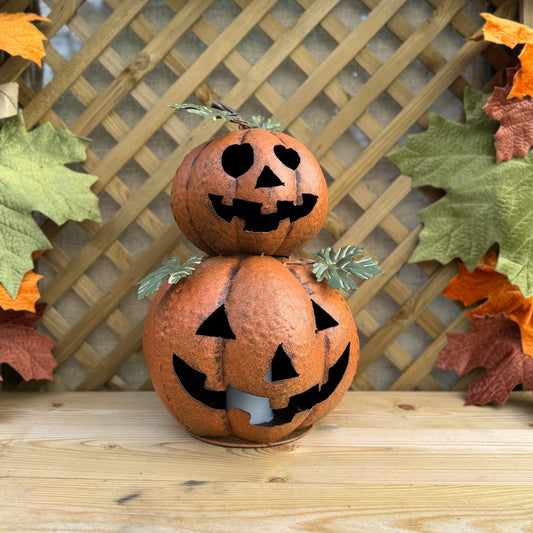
<point x="347" y="78"/>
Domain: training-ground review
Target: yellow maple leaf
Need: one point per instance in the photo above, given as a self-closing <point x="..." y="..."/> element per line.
<point x="19" y="37"/>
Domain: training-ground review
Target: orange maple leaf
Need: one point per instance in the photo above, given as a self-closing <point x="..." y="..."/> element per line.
<point x="20" y="38"/>
<point x="510" y="33"/>
<point x="484" y="283"/>
<point x="27" y="295"/>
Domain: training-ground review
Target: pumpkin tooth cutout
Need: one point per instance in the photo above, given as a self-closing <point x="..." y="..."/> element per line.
<point x="245" y="328"/>
<point x="250" y="192"/>
<point x="254" y="220"/>
<point x="193" y="382"/>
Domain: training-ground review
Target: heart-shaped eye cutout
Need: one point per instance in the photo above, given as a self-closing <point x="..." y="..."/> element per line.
<point x="287" y="156"/>
<point x="237" y="159"/>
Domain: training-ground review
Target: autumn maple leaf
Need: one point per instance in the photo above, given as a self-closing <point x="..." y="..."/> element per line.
<point x="21" y="347"/>
<point x="493" y="344"/>
<point x="510" y="33"/>
<point x="34" y="178"/>
<point x="514" y="137"/>
<point x="27" y="295"/>
<point x="484" y="283"/>
<point x="18" y="37"/>
<point x="486" y="202"/>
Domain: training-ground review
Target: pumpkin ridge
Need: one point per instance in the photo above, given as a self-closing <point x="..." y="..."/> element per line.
<point x="327" y="341"/>
<point x="245" y="134"/>
<point x="206" y="144"/>
<point x="298" y="180"/>
<point x="190" y="218"/>
<point x="222" y="301"/>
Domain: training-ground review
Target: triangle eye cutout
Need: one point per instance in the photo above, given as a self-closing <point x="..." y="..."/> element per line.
<point x="281" y="367"/>
<point x="323" y="320"/>
<point x="217" y="325"/>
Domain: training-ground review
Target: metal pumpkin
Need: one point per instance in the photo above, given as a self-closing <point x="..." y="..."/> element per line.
<point x="251" y="191"/>
<point x="248" y="351"/>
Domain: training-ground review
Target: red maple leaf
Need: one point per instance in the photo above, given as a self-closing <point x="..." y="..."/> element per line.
<point x="498" y="293"/>
<point x="514" y="137"/>
<point x="493" y="344"/>
<point x="21" y="347"/>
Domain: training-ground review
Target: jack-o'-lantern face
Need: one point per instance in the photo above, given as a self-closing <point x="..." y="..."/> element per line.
<point x="245" y="336"/>
<point x="250" y="191"/>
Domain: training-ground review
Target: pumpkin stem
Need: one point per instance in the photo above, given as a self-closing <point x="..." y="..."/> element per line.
<point x="220" y="110"/>
<point x="299" y="262"/>
<point x="239" y="119"/>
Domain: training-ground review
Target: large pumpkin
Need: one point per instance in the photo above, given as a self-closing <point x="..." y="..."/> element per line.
<point x="251" y="191"/>
<point x="241" y="330"/>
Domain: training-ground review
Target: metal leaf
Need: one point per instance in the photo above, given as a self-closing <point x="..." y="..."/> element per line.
<point x="207" y="112"/>
<point x="258" y="121"/>
<point x="339" y="267"/>
<point x="171" y="269"/>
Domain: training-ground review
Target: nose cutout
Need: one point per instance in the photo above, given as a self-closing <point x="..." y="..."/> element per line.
<point x="267" y="178"/>
<point x="280" y="367"/>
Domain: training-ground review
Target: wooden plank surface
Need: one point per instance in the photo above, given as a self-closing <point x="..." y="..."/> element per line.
<point x="390" y="461"/>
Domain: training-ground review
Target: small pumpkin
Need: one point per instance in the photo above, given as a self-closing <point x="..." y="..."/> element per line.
<point x="249" y="327"/>
<point x="251" y="191"/>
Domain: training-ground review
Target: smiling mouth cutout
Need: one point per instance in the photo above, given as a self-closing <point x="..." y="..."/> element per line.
<point x="254" y="220"/>
<point x="193" y="382"/>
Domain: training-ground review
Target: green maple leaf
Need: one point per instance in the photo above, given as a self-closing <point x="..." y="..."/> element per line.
<point x="33" y="178"/>
<point x="487" y="202"/>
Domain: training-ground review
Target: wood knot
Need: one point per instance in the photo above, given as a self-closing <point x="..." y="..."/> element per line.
<point x="407" y="407"/>
<point x="277" y="480"/>
<point x="140" y="64"/>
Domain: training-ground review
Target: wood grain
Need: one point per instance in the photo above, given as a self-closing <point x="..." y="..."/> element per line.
<point x="382" y="460"/>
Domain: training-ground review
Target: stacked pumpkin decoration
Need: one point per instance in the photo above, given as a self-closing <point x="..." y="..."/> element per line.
<point x="248" y="347"/>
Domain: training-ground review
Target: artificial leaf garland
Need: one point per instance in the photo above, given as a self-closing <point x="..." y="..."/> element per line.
<point x="21" y="347"/>
<point x="514" y="137"/>
<point x="494" y="344"/>
<point x="484" y="283"/>
<point x="487" y="202"/>
<point x="18" y="37"/>
<point x="34" y="178"/>
<point x="510" y="33"/>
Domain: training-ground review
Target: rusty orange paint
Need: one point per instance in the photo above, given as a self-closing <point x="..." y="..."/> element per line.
<point x="263" y="308"/>
<point x="273" y="202"/>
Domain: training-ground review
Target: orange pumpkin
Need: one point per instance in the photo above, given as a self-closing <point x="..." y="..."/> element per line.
<point x="250" y="191"/>
<point x="249" y="328"/>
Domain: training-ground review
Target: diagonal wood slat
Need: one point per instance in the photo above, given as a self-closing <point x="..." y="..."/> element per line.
<point x="349" y="78"/>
